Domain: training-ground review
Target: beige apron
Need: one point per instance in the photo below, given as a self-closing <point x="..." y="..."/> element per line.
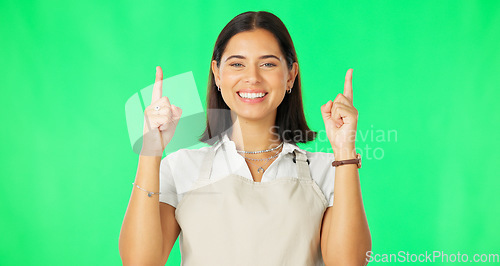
<point x="236" y="221"/>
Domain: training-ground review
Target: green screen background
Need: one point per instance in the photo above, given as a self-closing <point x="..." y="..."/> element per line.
<point x="426" y="71"/>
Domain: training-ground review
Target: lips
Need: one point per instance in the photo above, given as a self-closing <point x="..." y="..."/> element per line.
<point x="252" y="95"/>
<point x="252" y="100"/>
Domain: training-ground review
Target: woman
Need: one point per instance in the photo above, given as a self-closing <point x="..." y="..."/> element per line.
<point x="253" y="197"/>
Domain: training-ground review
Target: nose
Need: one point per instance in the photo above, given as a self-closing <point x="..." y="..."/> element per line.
<point x="252" y="74"/>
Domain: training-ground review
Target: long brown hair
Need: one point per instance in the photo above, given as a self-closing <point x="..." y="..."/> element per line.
<point x="290" y="119"/>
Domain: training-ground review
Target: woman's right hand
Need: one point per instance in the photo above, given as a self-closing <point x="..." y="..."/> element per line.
<point x="159" y="125"/>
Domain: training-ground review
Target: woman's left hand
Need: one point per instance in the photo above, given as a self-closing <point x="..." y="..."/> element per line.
<point x="341" y="119"/>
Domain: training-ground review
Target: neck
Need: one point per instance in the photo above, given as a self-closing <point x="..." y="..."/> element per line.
<point x="252" y="135"/>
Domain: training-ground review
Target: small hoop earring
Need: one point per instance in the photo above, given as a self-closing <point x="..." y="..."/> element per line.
<point x="289" y="91"/>
<point x="218" y="88"/>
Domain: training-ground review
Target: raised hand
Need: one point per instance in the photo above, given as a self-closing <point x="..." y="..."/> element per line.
<point x="160" y="120"/>
<point x="341" y="119"/>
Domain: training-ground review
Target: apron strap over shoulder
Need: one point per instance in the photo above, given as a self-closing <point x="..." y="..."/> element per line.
<point x="302" y="165"/>
<point x="206" y="167"/>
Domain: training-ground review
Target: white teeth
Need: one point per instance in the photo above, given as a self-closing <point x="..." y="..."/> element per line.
<point x="251" y="95"/>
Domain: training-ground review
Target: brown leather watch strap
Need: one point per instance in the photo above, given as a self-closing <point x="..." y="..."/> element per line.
<point x="350" y="161"/>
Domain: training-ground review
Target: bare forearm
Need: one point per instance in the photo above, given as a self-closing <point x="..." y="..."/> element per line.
<point x="349" y="236"/>
<point x="141" y="233"/>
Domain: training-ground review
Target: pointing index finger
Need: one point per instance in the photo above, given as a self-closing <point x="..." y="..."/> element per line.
<point x="157" y="88"/>
<point x="348" y="85"/>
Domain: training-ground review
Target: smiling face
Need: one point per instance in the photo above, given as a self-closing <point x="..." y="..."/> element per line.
<point x="253" y="74"/>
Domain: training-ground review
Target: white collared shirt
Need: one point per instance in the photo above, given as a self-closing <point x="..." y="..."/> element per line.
<point x="180" y="169"/>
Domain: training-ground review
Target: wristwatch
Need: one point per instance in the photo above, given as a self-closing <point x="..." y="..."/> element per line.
<point x="351" y="161"/>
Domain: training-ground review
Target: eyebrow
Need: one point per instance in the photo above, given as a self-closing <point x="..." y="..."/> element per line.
<point x="262" y="57"/>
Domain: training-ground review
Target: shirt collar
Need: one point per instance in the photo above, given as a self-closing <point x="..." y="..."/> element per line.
<point x="287" y="147"/>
